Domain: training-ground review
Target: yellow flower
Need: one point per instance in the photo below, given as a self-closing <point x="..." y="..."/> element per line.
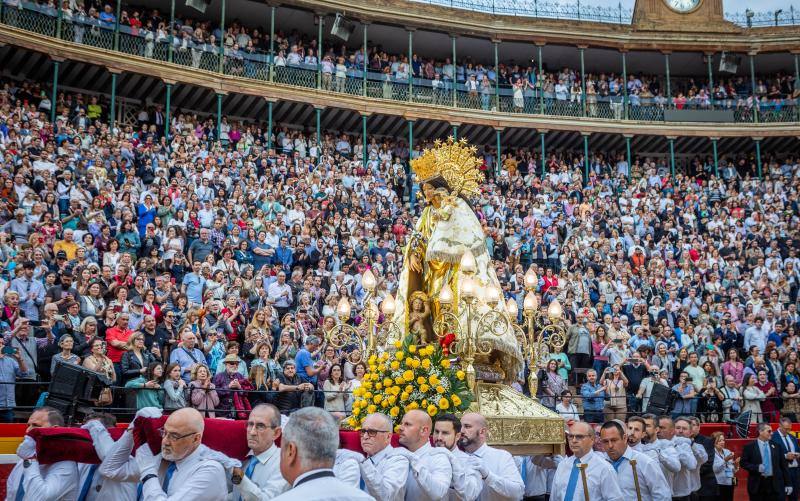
<point x="440" y="389"/>
<point x="414" y="363"/>
<point x="387" y="382"/>
<point x="456" y="400"/>
<point x="371" y="360"/>
<point x="399" y="380"/>
<point x="413" y="405"/>
<point x="398" y="344"/>
<point x="377" y="399"/>
<point x="424" y="388"/>
<point x="445" y="363"/>
<point x="408" y="376"/>
<point x="426" y="364"/>
<point x="432" y="410"/>
<point x="399" y="355"/>
<point x="394" y="365"/>
<point x="371" y="409"/>
<point x="444" y="404"/>
<point x="352" y="422"/>
<point x="403" y="396"/>
<point x="408" y="362"/>
<point x="460" y="375"/>
<point x="396" y="428"/>
<point x="394" y="411"/>
<point x="421" y="380"/>
<point x="372" y="368"/>
<point x="367" y="386"/>
<point x="384" y="356"/>
<point x="412" y="348"/>
<point x="367" y="395"/>
<point x="408" y="389"/>
<point x="433" y="380"/>
<point x="356" y="410"/>
<point x="358" y="392"/>
<point x="384" y="404"/>
<point x="378" y="386"/>
<point x="424" y="402"/>
<point x="429" y="350"/>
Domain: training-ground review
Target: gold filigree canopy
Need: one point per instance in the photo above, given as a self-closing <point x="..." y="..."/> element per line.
<point x="455" y="162"/>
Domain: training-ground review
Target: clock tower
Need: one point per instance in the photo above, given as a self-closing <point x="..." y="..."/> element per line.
<point x="681" y="15"/>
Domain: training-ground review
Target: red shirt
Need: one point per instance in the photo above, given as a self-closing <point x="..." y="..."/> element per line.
<point x="116" y="334"/>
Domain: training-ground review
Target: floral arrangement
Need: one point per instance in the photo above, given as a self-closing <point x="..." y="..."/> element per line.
<point x="414" y="377"/>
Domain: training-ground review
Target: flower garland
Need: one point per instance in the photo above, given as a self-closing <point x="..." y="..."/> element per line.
<point x="412" y="378"/>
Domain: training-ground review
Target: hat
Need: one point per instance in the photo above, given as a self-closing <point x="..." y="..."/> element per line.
<point x="231" y="359"/>
<point x="137" y="301"/>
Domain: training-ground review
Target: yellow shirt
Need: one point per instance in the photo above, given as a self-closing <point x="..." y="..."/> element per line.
<point x="69" y="247"/>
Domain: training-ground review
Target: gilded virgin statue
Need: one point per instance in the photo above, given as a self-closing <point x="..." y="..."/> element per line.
<point x="449" y="175"/>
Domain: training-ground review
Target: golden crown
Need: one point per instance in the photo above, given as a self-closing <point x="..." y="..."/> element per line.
<point x="455" y="161"/>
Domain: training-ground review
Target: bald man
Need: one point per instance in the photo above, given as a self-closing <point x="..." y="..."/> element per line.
<point x="184" y="469"/>
<point x="501" y="478"/>
<point x="430" y="474"/>
<point x="600" y="477"/>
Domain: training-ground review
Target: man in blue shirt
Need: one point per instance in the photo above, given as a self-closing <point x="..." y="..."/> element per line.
<point x="193" y="284"/>
<point x="187" y="356"/>
<point x="307" y="368"/>
<point x="593" y="398"/>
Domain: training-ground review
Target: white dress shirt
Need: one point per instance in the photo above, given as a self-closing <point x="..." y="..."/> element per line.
<point x="682" y="480"/>
<point x="723" y="470"/>
<point x="430" y="475"/>
<point x="789" y="444"/>
<point x="46" y="482"/>
<point x="534" y="474"/>
<point x="467" y="483"/>
<point x="600" y="478"/>
<point x="328" y="488"/>
<point x="701" y="456"/>
<point x="385" y="475"/>
<point x="652" y="484"/>
<point x="196" y="477"/>
<point x="102" y="488"/>
<point x="266" y="482"/>
<point x="664" y="453"/>
<point x="348" y="470"/>
<point x="503" y="481"/>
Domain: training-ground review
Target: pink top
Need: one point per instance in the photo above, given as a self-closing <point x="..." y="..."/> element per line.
<point x="735" y="369"/>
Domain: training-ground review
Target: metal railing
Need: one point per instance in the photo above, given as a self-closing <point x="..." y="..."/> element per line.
<point x="260" y="66"/>
<point x="750" y="19"/>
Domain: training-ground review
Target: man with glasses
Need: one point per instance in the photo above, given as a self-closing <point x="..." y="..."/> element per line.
<point x="184" y="469"/>
<point x="383" y="473"/>
<point x="599" y="475"/>
<point x="260" y="476"/>
<point x="651" y="482"/>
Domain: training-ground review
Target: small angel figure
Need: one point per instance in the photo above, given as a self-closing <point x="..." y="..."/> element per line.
<point x="418" y="316"/>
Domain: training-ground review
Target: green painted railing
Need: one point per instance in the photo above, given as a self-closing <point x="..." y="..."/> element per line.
<point x="84" y="30"/>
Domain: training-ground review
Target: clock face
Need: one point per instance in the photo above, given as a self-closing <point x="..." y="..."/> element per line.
<point x="683" y="6"/>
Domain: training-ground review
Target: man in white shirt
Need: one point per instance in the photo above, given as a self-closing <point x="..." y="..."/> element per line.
<point x="260" y="475"/>
<point x="600" y="477"/>
<point x="279" y="294"/>
<point x="431" y="473"/>
<point x="181" y="470"/>
<point x="31" y="481"/>
<point x="501" y="478"/>
<point x="308" y="452"/>
<point x="683" y="428"/>
<point x="642" y="437"/>
<point x="467" y="483"/>
<point x="642" y="480"/>
<point x="681" y="480"/>
<point x="537" y="473"/>
<point x="383" y="473"/>
<point x="91" y="484"/>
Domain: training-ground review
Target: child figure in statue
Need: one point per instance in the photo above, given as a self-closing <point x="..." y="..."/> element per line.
<point x="418" y="317"/>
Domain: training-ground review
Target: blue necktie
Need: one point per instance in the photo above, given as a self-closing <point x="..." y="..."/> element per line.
<point x="767" y="457"/>
<point x="573" y="481"/>
<point x="248" y="472"/>
<point x="618" y="462"/>
<point x="168" y="476"/>
<point x="21" y="488"/>
<point x="524" y="470"/>
<point x="87" y="483"/>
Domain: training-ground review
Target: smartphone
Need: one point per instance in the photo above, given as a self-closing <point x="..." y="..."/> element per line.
<point x="10" y="350"/>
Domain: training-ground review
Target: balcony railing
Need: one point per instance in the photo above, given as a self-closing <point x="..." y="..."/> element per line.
<point x="260" y="66"/>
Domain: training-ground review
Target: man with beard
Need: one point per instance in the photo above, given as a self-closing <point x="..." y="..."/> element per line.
<point x="501" y="478"/>
<point x="466" y="484"/>
<point x="681" y="480"/>
<point x="658" y="449"/>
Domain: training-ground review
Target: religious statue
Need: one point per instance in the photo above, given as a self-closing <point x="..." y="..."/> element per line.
<point x="447" y="228"/>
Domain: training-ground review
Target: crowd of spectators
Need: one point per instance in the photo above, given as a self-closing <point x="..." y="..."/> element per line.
<point x="205" y="271"/>
<point x="196" y="42"/>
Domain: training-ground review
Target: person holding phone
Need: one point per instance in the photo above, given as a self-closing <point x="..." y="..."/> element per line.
<point x="12" y="366"/>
